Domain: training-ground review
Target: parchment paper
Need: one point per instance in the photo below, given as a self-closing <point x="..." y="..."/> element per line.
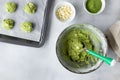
<point x="20" y="16"/>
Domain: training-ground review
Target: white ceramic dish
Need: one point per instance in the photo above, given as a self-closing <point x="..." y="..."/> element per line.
<point x="62" y="3"/>
<point x="100" y="11"/>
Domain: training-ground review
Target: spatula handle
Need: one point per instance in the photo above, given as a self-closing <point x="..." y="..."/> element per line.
<point x="107" y="60"/>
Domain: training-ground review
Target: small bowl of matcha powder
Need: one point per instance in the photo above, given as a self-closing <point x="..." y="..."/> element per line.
<point x="94" y="6"/>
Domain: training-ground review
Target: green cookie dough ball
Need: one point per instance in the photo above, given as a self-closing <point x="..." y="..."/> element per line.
<point x="8" y="24"/>
<point x="30" y="8"/>
<point x="10" y="7"/>
<point x="27" y="27"/>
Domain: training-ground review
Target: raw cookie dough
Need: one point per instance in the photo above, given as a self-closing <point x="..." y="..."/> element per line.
<point x="8" y="24"/>
<point x="30" y="8"/>
<point x="27" y="27"/>
<point x="74" y="43"/>
<point x="10" y="7"/>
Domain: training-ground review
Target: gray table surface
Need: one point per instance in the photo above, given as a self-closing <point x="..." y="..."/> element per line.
<point x="26" y="63"/>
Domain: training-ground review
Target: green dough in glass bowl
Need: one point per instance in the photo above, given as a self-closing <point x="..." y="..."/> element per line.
<point x="27" y="27"/>
<point x="8" y="24"/>
<point x="10" y="7"/>
<point x="30" y="8"/>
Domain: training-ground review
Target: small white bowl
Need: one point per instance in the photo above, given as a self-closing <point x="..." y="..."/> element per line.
<point x="100" y="11"/>
<point x="62" y="3"/>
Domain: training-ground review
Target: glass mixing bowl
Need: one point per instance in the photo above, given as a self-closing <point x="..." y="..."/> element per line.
<point x="71" y="65"/>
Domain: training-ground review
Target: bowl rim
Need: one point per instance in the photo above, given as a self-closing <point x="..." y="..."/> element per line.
<point x="101" y="62"/>
<point x="62" y="3"/>
<point x="99" y="12"/>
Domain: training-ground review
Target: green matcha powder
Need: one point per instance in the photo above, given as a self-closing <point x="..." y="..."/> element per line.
<point x="93" y="6"/>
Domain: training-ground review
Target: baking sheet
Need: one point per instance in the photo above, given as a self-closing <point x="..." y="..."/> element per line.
<point x="20" y="16"/>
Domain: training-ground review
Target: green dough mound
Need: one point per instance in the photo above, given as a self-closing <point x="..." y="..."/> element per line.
<point x="10" y="7"/>
<point x="8" y="24"/>
<point x="27" y="27"/>
<point x="74" y="43"/>
<point x="30" y="8"/>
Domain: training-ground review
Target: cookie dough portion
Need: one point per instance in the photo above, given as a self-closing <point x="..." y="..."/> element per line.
<point x="27" y="27"/>
<point x="11" y="7"/>
<point x="30" y="8"/>
<point x="8" y="24"/>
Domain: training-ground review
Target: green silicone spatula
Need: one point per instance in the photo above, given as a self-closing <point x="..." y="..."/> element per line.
<point x="107" y="60"/>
